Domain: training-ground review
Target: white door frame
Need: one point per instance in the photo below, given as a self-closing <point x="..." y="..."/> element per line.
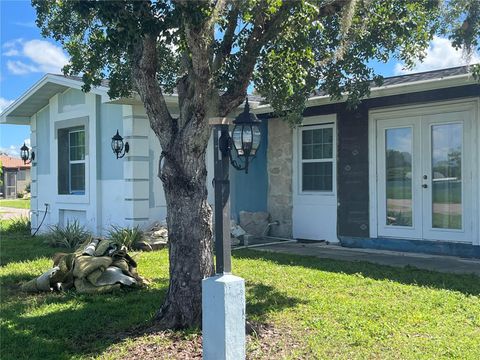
<point x="399" y="112"/>
<point x="314" y="213"/>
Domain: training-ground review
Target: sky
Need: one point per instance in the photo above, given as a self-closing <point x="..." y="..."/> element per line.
<point x="26" y="56"/>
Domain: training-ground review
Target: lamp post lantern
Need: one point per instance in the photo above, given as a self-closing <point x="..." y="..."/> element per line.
<point x="223" y="295"/>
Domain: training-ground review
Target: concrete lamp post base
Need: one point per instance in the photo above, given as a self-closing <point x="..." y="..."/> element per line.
<point x="223" y="317"/>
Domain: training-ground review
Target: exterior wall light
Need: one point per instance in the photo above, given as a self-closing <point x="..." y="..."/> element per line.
<point x="118" y="147"/>
<point x="25" y="154"/>
<point x="245" y="139"/>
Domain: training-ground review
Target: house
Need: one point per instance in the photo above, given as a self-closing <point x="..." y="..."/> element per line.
<point x="15" y="176"/>
<point x="397" y="172"/>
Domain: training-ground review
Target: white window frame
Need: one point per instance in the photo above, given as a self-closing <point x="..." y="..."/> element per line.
<point x="72" y="162"/>
<point x="301" y="161"/>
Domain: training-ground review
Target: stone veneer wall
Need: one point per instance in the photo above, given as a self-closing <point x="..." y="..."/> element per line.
<point x="279" y="169"/>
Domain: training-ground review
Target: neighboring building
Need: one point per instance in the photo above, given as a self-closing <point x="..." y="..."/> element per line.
<point x="15" y="177"/>
<point x="398" y="172"/>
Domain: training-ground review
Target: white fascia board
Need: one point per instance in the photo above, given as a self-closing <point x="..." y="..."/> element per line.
<point x="412" y="87"/>
<point x="48" y="78"/>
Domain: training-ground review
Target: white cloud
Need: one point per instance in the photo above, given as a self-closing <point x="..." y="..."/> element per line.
<point x="20" y="68"/>
<point x="439" y="55"/>
<point x="4" y="103"/>
<point x="11" y="52"/>
<point x="12" y="150"/>
<point x="34" y="56"/>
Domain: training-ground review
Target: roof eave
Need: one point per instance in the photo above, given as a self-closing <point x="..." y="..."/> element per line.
<point x="390" y="90"/>
<point x="6" y="118"/>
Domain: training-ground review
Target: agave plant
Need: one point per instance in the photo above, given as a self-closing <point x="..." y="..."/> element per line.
<point x="125" y="236"/>
<point x="70" y="236"/>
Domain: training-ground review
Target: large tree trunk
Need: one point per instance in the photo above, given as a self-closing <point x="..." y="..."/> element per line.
<point x="189" y="222"/>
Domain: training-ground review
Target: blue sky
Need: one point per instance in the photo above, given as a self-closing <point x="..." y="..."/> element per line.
<point x="26" y="56"/>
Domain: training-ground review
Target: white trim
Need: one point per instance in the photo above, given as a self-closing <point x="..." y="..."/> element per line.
<point x="48" y="78"/>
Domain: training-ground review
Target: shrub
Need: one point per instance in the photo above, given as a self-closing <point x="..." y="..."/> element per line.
<point x="125" y="236"/>
<point x="20" y="195"/>
<point x="28" y="187"/>
<point x="17" y="225"/>
<point x="70" y="236"/>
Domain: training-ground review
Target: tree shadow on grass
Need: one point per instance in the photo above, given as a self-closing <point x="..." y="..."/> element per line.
<point x="264" y="299"/>
<point x="68" y="324"/>
<point x="18" y="247"/>
<point x="468" y="284"/>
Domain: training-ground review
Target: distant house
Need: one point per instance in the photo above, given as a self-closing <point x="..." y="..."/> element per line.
<point x="15" y="176"/>
<point x="399" y="172"/>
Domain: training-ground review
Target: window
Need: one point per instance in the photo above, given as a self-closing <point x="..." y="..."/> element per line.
<point x="21" y="175"/>
<point x="317" y="158"/>
<point x="71" y="161"/>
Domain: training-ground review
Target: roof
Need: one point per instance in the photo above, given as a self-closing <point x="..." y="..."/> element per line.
<point x="417" y="77"/>
<point x="394" y="85"/>
<point x="12" y="162"/>
<point x="39" y="94"/>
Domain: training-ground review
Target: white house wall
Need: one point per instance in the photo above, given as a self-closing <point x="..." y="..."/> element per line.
<point x="74" y="106"/>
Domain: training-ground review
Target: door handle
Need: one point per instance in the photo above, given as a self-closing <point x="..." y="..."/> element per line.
<point x="424" y="186"/>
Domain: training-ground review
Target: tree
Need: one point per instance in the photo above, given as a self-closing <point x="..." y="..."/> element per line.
<point x="461" y="23"/>
<point x="209" y="52"/>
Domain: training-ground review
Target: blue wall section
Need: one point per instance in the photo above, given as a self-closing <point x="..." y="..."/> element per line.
<point x="249" y="191"/>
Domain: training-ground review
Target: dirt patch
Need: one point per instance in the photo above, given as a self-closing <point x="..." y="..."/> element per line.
<point x="264" y="342"/>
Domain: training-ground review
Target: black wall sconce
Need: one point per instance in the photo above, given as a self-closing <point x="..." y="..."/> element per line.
<point x="25" y="154"/>
<point x="118" y="147"/>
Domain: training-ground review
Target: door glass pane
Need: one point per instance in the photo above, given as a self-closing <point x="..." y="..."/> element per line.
<point x="447" y="176"/>
<point x="398" y="167"/>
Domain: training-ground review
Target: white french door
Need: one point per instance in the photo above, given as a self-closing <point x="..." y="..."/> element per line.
<point x="424" y="168"/>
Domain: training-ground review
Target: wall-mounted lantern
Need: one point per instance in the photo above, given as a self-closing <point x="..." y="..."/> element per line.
<point x="118" y="147"/>
<point x="25" y="154"/>
<point x="245" y="139"/>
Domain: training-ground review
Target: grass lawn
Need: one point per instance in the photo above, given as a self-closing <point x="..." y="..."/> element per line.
<point x="15" y="203"/>
<point x="311" y="308"/>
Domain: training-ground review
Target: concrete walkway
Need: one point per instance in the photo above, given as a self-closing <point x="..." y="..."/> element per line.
<point x="448" y="264"/>
<point x="10" y="213"/>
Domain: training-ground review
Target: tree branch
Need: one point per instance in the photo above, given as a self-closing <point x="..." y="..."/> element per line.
<point x="144" y="74"/>
<point x="261" y="34"/>
<point x="228" y="38"/>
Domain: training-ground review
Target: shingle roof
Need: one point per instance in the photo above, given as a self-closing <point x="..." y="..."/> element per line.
<point x="387" y="81"/>
<point x="411" y="78"/>
<point x="12" y="162"/>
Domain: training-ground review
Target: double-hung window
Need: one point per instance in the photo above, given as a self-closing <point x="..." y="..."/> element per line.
<point x="317" y="158"/>
<point x="71" y="161"/>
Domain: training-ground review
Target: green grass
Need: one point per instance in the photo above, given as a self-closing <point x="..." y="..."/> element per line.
<point x="16" y="203"/>
<point x="322" y="309"/>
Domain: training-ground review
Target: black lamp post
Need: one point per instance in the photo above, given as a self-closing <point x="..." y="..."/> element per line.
<point x="245" y="140"/>
<point x="118" y="147"/>
<point x="25" y="154"/>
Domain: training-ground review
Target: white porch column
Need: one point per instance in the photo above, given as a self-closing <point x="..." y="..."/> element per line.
<point x="135" y="167"/>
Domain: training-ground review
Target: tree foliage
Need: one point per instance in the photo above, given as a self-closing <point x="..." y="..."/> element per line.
<point x="288" y="48"/>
